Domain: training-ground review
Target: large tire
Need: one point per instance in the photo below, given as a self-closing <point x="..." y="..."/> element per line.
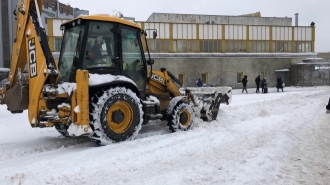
<point x="182" y="118"/>
<point x="116" y="115"/>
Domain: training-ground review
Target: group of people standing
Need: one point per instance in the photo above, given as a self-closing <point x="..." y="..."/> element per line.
<point x="263" y="84"/>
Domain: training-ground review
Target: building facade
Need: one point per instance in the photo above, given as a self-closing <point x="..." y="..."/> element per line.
<point x="185" y="33"/>
<point x="222" y="49"/>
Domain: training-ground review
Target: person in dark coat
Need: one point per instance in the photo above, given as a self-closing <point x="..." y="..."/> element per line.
<point x="263" y="84"/>
<point x="244" y="81"/>
<point x="279" y="84"/>
<point x="199" y="83"/>
<point x="328" y="107"/>
<point x="257" y="80"/>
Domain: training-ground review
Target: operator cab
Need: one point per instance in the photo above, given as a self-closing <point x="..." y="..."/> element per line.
<point x="102" y="45"/>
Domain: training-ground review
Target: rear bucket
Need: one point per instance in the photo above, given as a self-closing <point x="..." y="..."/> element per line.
<point x="17" y="98"/>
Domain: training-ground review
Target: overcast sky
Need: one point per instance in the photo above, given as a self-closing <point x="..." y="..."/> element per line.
<point x="309" y="10"/>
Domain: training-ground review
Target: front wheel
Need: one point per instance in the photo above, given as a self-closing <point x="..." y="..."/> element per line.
<point x="182" y="118"/>
<point x="116" y="115"/>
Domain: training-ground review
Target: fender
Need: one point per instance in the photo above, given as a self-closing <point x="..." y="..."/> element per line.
<point x="129" y="84"/>
<point x="173" y="103"/>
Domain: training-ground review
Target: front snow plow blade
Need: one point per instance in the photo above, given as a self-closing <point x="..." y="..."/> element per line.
<point x="207" y="100"/>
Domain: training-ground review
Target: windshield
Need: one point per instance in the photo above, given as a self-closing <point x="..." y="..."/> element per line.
<point x="99" y="46"/>
<point x="70" y="51"/>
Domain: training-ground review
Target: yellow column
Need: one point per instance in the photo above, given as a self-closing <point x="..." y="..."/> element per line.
<point x="247" y="38"/>
<point x="171" y="38"/>
<point x="143" y="42"/>
<point x="51" y="34"/>
<point x="271" y="38"/>
<point x="223" y="43"/>
<point x="198" y="49"/>
<point x="292" y="42"/>
<point x="313" y="39"/>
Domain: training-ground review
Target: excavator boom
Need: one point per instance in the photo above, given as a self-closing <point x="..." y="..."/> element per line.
<point x="30" y="51"/>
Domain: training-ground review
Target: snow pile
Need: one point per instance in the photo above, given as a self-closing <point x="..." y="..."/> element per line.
<point x="274" y="138"/>
<point x="97" y="79"/>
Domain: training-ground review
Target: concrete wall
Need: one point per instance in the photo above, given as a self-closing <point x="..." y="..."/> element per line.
<point x="325" y="55"/>
<point x="310" y="74"/>
<point x="222" y="69"/>
<point x="219" y="19"/>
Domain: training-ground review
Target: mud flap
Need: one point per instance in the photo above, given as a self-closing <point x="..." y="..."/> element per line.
<point x="17" y="98"/>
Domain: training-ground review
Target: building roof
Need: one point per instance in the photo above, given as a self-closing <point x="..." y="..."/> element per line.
<point x="257" y="14"/>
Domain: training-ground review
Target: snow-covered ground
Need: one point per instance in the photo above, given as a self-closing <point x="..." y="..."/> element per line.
<point x="274" y="138"/>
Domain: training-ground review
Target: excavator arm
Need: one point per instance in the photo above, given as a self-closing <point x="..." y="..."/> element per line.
<point x="30" y="52"/>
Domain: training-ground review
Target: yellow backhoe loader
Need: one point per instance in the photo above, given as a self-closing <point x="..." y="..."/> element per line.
<point x="101" y="86"/>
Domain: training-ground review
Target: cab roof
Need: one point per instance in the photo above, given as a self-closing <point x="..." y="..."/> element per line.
<point x="105" y="17"/>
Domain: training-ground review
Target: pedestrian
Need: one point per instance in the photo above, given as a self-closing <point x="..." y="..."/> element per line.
<point x="328" y="107"/>
<point x="263" y="84"/>
<point x="199" y="83"/>
<point x="257" y="80"/>
<point x="279" y="83"/>
<point x="244" y="81"/>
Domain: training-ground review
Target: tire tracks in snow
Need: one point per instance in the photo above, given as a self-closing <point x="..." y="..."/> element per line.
<point x="240" y="148"/>
<point x="41" y="145"/>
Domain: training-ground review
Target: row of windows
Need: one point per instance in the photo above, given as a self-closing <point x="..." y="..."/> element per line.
<point x="228" y="32"/>
<point x="190" y="46"/>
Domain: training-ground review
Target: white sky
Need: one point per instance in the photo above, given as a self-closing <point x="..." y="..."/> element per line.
<point x="316" y="10"/>
<point x="274" y="138"/>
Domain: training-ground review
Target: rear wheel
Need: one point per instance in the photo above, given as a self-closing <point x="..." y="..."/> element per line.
<point x="116" y="115"/>
<point x="182" y="118"/>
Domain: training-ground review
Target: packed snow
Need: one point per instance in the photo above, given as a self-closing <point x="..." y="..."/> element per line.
<point x="274" y="138"/>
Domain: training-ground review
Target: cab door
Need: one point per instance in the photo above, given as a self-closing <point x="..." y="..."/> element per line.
<point x="132" y="55"/>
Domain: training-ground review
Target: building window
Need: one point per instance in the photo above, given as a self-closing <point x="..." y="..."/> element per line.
<point x="204" y="78"/>
<point x="54" y="7"/>
<point x="239" y="77"/>
<point x="174" y="46"/>
<point x="45" y="4"/>
<point x="181" y="78"/>
<point x="61" y="10"/>
<point x="57" y="44"/>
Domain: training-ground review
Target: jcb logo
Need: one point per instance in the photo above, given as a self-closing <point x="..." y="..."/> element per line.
<point x="157" y="78"/>
<point x="32" y="57"/>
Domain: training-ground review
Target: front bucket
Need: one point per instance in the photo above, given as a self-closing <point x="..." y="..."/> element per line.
<point x="208" y="100"/>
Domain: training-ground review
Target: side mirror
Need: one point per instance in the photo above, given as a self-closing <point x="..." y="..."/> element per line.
<point x="150" y="62"/>
<point x="154" y="34"/>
